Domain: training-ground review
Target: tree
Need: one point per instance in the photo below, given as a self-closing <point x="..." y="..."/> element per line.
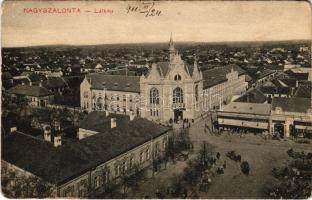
<point x="15" y="186"/>
<point x="131" y="178"/>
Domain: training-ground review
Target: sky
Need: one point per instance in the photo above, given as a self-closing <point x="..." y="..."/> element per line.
<point x="209" y="21"/>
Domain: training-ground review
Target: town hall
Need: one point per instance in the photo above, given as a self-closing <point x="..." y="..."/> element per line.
<point x="171" y="90"/>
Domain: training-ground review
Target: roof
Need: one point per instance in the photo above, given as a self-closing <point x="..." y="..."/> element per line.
<point x="252" y="96"/>
<point x="218" y="75"/>
<point x="275" y="90"/>
<point x="248" y="78"/>
<point x="27" y="90"/>
<point x="6" y="76"/>
<point x="54" y="83"/>
<point x="303" y="91"/>
<point x="292" y="104"/>
<point x="298" y="76"/>
<point x="248" y="108"/>
<point x="264" y="73"/>
<point x="32" y="76"/>
<point x="163" y="68"/>
<point x="115" y="82"/>
<point x="57" y="165"/>
<point x="98" y="66"/>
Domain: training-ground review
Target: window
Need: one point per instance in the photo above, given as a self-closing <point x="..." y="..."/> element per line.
<point x="154" y="96"/>
<point x="99" y="103"/>
<point x="124" y="97"/>
<point x="96" y="182"/>
<point x="117" y="97"/>
<point x="141" y="157"/>
<point x="69" y="191"/>
<point x="117" y="168"/>
<point x="177" y="77"/>
<point x="124" y="166"/>
<point x="131" y="162"/>
<point x="178" y="95"/>
<point x="164" y="143"/>
<point x="82" y="188"/>
<point x="86" y="94"/>
<point x="151" y="112"/>
<point x="196" y="92"/>
<point x="147" y="154"/>
<point x="106" y="177"/>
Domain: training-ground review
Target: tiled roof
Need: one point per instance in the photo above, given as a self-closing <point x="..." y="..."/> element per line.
<point x="292" y="104"/>
<point x="27" y="90"/>
<point x="163" y="68"/>
<point x="218" y="75"/>
<point x="303" y="91"/>
<point x="253" y="96"/>
<point x="115" y="82"/>
<point x="248" y="108"/>
<point x="275" y="90"/>
<point x="73" y="158"/>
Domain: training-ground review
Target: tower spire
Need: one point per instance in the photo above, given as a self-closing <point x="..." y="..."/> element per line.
<point x="171" y="45"/>
<point x="172" y="50"/>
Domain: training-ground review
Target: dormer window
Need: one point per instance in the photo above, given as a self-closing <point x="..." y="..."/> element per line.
<point x="177" y="77"/>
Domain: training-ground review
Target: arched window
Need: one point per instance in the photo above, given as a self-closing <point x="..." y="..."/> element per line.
<point x="196" y="92"/>
<point x="100" y="103"/>
<point x="178" y="95"/>
<point x="154" y="96"/>
<point x="177" y="77"/>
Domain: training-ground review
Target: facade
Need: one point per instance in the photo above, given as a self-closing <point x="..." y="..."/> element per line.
<point x="171" y="90"/>
<point x="247" y="116"/>
<point x="91" y="165"/>
<point x="291" y="116"/>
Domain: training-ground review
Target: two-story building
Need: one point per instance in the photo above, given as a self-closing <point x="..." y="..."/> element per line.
<point x="171" y="90"/>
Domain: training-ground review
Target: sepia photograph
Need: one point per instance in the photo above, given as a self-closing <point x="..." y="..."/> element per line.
<point x="156" y="99"/>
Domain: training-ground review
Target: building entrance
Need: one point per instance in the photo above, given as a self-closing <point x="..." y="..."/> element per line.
<point x="178" y="114"/>
<point x="279" y="129"/>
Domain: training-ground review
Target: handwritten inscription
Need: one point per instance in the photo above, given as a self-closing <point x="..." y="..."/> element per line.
<point x="146" y="8"/>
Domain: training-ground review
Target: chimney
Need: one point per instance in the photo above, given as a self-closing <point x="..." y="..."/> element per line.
<point x="297" y="83"/>
<point x="57" y="140"/>
<point x="56" y="125"/>
<point x="106" y="113"/>
<point x="13" y="129"/>
<point x="30" y="83"/>
<point x="23" y="83"/>
<point x="40" y="84"/>
<point x="113" y="122"/>
<point x="47" y="134"/>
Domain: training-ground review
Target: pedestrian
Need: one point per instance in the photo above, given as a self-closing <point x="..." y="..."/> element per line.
<point x="218" y="155"/>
